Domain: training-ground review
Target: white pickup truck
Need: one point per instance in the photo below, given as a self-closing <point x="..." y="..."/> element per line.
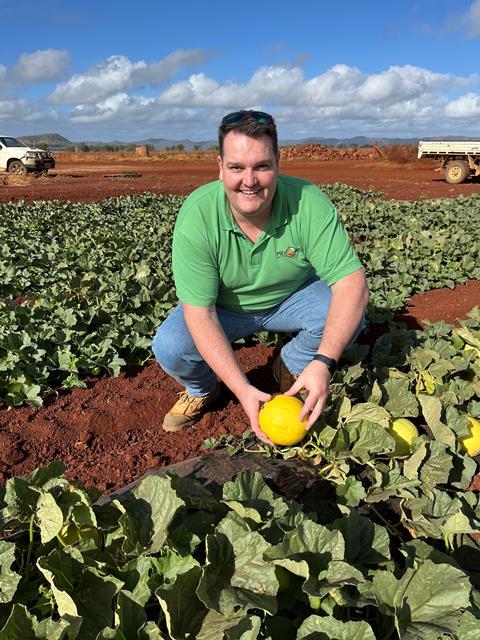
<point x="458" y="160"/>
<point x="17" y="158"/>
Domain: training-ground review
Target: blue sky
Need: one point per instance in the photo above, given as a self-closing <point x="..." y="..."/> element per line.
<point x="126" y="71"/>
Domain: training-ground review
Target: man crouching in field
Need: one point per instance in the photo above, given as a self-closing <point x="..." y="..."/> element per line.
<point x="257" y="251"/>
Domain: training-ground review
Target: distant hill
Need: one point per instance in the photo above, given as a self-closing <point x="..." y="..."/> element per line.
<point x="162" y="143"/>
<point x="57" y="142"/>
<point x="363" y="141"/>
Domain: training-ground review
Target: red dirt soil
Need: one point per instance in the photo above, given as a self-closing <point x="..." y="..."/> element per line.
<point x="82" y="180"/>
<point x="110" y="433"/>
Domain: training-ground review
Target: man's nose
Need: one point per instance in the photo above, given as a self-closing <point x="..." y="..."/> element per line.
<point x="250" y="178"/>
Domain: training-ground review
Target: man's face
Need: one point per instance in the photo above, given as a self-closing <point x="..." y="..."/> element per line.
<point x="249" y="172"/>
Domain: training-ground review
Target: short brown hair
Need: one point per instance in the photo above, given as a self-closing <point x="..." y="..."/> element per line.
<point x="252" y="123"/>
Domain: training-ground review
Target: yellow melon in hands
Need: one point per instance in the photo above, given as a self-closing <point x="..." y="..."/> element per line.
<point x="403" y="432"/>
<point x="278" y="419"/>
<point x="471" y="443"/>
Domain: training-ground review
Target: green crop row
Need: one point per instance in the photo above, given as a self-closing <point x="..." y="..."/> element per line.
<point x="83" y="286"/>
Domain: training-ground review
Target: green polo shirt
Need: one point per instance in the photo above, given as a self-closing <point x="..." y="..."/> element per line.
<point x="215" y="263"/>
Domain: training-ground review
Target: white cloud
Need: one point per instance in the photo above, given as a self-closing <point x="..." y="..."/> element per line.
<point x="118" y="73"/>
<point x="113" y="106"/>
<point x="341" y="89"/>
<point x="19" y="110"/>
<point x="467" y="106"/>
<point x="191" y="91"/>
<point x="400" y="97"/>
<point x="40" y="66"/>
<point x="401" y="100"/>
<point x="275" y="82"/>
<point x="268" y="84"/>
<point x="468" y="22"/>
<point x="157" y="72"/>
<point x="472" y="20"/>
<point x="402" y="83"/>
<point x="110" y="76"/>
<point x="334" y="87"/>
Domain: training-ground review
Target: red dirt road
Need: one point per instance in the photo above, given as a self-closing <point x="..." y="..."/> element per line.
<point x="95" y="180"/>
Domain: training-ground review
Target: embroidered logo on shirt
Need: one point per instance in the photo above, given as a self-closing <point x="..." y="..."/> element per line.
<point x="290" y="252"/>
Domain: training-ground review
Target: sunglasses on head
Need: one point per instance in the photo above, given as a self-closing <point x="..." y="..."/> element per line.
<point x="260" y="116"/>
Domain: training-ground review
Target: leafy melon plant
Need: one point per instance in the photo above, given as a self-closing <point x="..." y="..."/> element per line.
<point x="169" y="560"/>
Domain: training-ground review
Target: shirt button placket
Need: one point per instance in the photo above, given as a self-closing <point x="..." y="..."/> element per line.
<point x="254" y="257"/>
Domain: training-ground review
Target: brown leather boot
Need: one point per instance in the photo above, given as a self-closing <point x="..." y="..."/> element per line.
<point x="188" y="409"/>
<point x="282" y="375"/>
<point x="285" y="379"/>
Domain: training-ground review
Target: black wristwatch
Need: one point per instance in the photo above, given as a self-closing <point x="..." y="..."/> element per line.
<point x="330" y="362"/>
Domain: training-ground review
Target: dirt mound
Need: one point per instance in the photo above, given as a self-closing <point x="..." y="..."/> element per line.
<point x="321" y="152"/>
<point x="12" y="180"/>
<point x="142" y="152"/>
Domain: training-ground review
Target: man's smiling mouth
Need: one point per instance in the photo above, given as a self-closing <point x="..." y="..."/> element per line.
<point x="249" y="193"/>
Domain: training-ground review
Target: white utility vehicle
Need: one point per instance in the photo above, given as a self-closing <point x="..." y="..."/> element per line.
<point x="16" y="157"/>
<point x="457" y="159"/>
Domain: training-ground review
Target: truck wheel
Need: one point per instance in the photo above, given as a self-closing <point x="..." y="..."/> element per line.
<point x="456" y="171"/>
<point x="18" y="168"/>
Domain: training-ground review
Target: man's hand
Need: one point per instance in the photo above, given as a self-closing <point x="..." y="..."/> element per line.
<point x="315" y="379"/>
<point x="213" y="346"/>
<point x="251" y="399"/>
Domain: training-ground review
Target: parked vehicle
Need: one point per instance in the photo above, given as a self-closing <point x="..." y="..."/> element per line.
<point x="458" y="160"/>
<point x="17" y="158"/>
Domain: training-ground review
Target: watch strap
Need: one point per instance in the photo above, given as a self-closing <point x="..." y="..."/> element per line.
<point x="330" y="362"/>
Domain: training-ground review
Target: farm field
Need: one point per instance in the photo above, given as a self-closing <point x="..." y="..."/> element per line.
<point x="89" y="177"/>
<point x="83" y="283"/>
<point x="109" y="433"/>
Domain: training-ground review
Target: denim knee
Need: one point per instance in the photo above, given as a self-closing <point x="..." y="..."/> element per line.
<point x="167" y="351"/>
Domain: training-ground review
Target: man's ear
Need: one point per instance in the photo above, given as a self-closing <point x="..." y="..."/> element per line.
<point x="220" y="167"/>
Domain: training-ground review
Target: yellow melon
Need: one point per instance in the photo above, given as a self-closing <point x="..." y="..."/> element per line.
<point x="403" y="432"/>
<point x="471" y="443"/>
<point x="278" y="419"/>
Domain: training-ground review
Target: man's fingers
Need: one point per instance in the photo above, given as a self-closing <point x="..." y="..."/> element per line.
<point x="256" y="427"/>
<point x="312" y="409"/>
<point x="309" y="405"/>
<point x="262" y="436"/>
<point x="316" y="413"/>
<point x="294" y="389"/>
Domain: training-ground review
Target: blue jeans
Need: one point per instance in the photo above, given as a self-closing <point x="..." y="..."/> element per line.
<point x="304" y="313"/>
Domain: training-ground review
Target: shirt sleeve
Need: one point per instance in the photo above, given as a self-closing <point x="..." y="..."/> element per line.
<point x="194" y="269"/>
<point x="329" y="248"/>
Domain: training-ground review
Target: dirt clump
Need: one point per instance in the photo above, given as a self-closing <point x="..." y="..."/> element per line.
<point x="321" y="152"/>
<point x="142" y="152"/>
<point x="13" y="180"/>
